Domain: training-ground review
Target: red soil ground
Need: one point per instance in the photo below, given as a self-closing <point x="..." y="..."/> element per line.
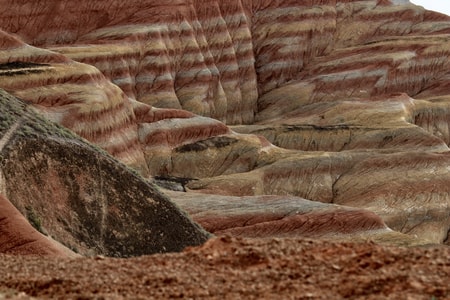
<point x="229" y="268"/>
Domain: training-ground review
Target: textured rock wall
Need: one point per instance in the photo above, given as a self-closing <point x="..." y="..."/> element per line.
<point x="286" y="216"/>
<point x="17" y="236"/>
<point x="79" y="195"/>
<point x="328" y="87"/>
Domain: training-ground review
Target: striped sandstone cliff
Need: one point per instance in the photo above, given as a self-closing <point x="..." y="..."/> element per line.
<point x="342" y="102"/>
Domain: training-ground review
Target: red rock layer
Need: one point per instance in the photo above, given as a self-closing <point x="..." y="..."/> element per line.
<point x="283" y="216"/>
<point x="373" y="72"/>
<point x="79" y="97"/>
<point x="315" y="224"/>
<point x="416" y="202"/>
<point x="287" y="35"/>
<point x="206" y="56"/>
<point x="75" y="95"/>
<point x="199" y="60"/>
<point x="17" y="236"/>
<point x="407" y="189"/>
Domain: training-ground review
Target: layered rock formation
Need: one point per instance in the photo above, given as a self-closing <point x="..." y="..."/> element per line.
<point x="287" y="216"/>
<point x="343" y="102"/>
<point x="78" y="195"/>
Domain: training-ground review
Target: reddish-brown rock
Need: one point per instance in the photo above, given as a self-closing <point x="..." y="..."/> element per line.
<point x="18" y="237"/>
<point x="329" y="97"/>
<point x="78" y="195"/>
<point x="286" y="216"/>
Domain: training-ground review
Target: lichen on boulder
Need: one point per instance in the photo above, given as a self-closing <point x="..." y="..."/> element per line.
<point x="84" y="198"/>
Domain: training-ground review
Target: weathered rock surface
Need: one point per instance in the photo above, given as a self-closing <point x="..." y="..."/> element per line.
<point x="416" y="203"/>
<point x="287" y="216"/>
<point x="17" y="236"/>
<point x="79" y="195"/>
<point x="333" y="101"/>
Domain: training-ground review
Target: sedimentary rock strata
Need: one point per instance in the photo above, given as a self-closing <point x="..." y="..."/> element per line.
<point x="334" y="101"/>
<point x="78" y="195"/>
<point x="286" y="216"/>
<point x="356" y="179"/>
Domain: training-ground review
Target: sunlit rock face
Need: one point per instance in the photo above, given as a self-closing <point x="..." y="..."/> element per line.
<point x="343" y="102"/>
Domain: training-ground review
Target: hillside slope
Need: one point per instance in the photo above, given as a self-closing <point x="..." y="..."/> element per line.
<point x="78" y="195"/>
<point x="335" y="101"/>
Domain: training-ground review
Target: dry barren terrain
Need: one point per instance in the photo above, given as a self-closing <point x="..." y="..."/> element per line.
<point x="230" y="268"/>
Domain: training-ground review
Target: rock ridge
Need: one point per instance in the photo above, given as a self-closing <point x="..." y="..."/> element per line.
<point x="343" y="102"/>
<point x="79" y="195"/>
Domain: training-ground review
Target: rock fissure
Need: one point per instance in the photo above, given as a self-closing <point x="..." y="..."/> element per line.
<point x="9" y="134"/>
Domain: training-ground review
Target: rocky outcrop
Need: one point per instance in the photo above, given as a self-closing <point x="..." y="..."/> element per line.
<point x="80" y="196"/>
<point x="287" y="216"/>
<point x="321" y="99"/>
<point x="416" y="203"/>
<point x="17" y="236"/>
